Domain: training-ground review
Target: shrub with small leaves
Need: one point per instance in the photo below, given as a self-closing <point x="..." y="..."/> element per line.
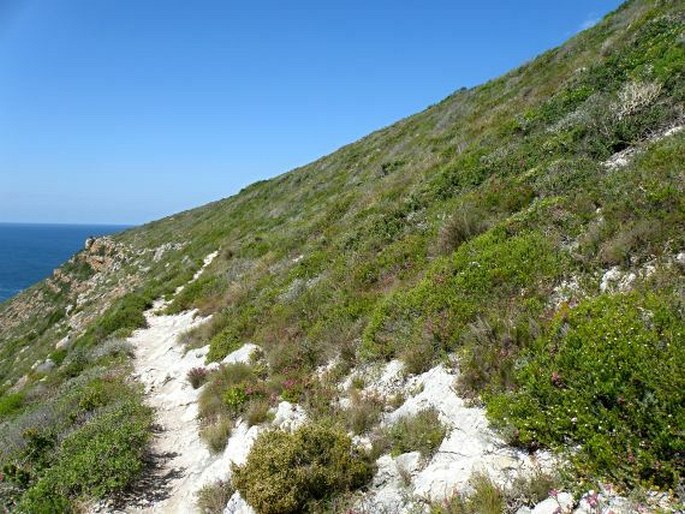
<point x="606" y="378"/>
<point x="288" y="473"/>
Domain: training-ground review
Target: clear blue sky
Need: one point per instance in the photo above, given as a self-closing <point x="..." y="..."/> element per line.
<point x="124" y="111"/>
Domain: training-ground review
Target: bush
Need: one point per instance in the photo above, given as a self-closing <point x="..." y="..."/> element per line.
<point x="103" y="456"/>
<point x="467" y="222"/>
<point x="364" y="412"/>
<point x="256" y="412"/>
<point x="225" y="392"/>
<point x="197" y="377"/>
<point x="422" y="432"/>
<point x="606" y="378"/>
<point x="288" y="473"/>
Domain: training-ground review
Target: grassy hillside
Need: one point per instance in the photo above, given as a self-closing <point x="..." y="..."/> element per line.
<point x="533" y="225"/>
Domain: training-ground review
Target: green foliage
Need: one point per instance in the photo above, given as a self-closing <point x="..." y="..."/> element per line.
<point x="10" y="403"/>
<point x="235" y="397"/>
<point x="103" y="456"/>
<point x="289" y="473"/>
<point x="422" y="432"/>
<point x="606" y="377"/>
<point x="120" y="320"/>
<point x="490" y="269"/>
<point x="203" y="294"/>
<point x="486" y="498"/>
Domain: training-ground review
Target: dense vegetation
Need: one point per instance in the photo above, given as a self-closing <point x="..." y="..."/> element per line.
<point x="482" y="226"/>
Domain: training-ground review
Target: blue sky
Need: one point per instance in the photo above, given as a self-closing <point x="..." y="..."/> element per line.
<point x="124" y="111"/>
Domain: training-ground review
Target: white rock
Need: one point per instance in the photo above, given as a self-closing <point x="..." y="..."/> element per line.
<point x="289" y="416"/>
<point x="611" y="277"/>
<point x="240" y="443"/>
<point x="680" y="258"/>
<point x="562" y="504"/>
<point x="236" y="505"/>
<point x="241" y="355"/>
<point x="63" y="343"/>
<point x="45" y="367"/>
<point x="470" y="446"/>
<point x="408" y="462"/>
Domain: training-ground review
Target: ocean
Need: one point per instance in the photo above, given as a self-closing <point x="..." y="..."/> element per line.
<point x="29" y="252"/>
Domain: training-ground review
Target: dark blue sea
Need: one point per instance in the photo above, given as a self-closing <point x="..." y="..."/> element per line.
<point x="29" y="252"/>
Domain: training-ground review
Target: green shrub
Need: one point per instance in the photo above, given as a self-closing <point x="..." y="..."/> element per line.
<point x="606" y="378"/>
<point x="225" y="391"/>
<point x="288" y="473"/>
<point x="103" y="456"/>
<point x="422" y="432"/>
<point x="235" y="397"/>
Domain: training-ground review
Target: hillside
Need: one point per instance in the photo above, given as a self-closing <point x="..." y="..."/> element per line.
<point x="517" y="249"/>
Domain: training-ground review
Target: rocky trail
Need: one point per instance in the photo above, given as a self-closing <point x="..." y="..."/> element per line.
<point x="180" y="462"/>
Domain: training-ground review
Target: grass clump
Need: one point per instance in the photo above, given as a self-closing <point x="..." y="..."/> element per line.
<point x="288" y="473"/>
<point x="363" y="413"/>
<point x="486" y="498"/>
<point x="606" y="378"/>
<point x="216" y="433"/>
<point x="212" y="498"/>
<point x="422" y="432"/>
<point x="11" y="403"/>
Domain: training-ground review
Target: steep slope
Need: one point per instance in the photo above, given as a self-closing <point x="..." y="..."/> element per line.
<point x="529" y="232"/>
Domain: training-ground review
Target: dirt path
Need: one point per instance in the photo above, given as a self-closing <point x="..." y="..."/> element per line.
<point x="180" y="462"/>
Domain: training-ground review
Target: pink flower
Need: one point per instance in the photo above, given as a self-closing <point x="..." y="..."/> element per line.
<point x="593" y="501"/>
<point x="553" y="493"/>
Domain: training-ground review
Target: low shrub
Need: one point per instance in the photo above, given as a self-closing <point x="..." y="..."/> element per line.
<point x="256" y="412"/>
<point x="468" y="221"/>
<point x="528" y="490"/>
<point x="363" y="413"/>
<point x="607" y="379"/>
<point x="197" y="377"/>
<point x="287" y="473"/>
<point x="225" y="392"/>
<point x="103" y="456"/>
<point x="216" y="433"/>
<point x="212" y="498"/>
<point x="422" y="432"/>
